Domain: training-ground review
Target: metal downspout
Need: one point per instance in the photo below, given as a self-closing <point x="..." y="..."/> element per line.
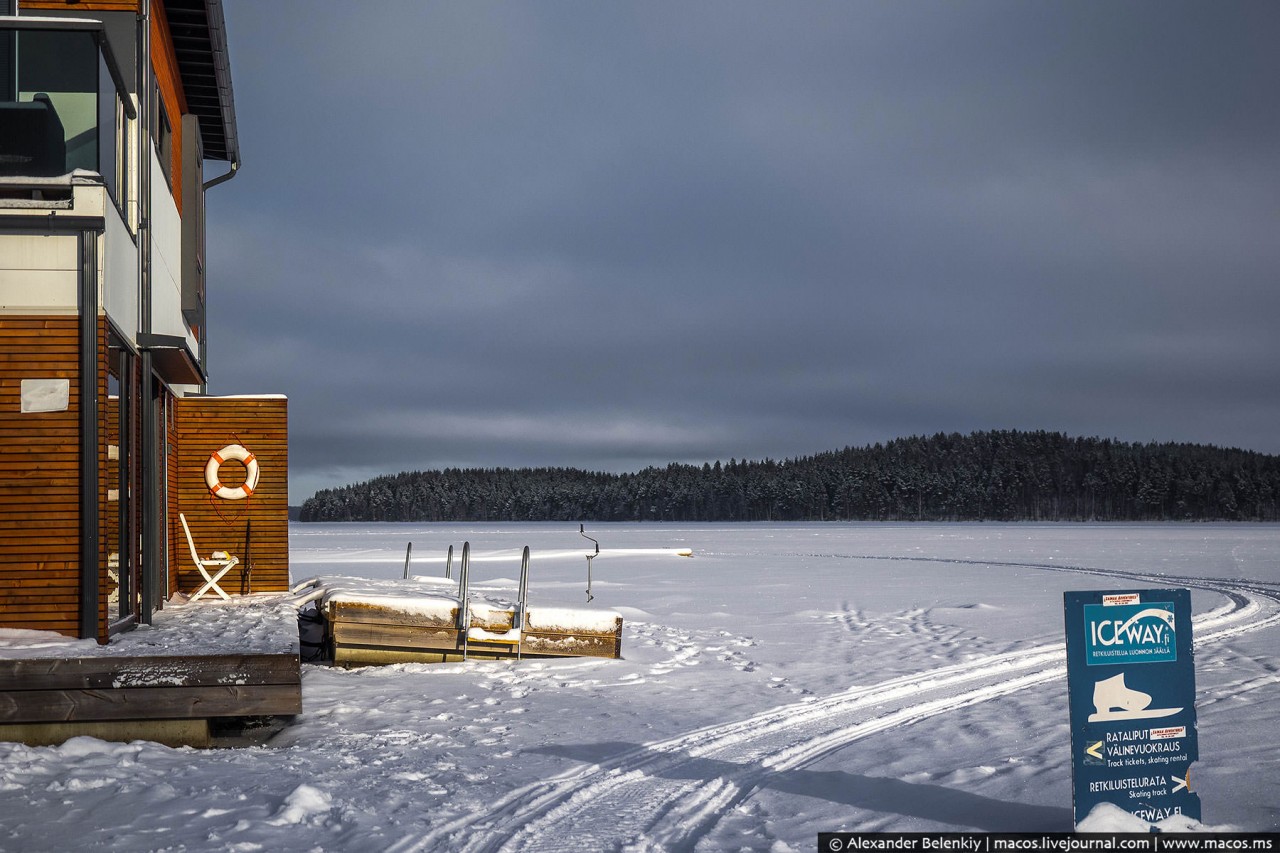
<point x="152" y="524"/>
<point x="153" y="528"/>
<point x="89" y="403"/>
<point x="222" y="179"/>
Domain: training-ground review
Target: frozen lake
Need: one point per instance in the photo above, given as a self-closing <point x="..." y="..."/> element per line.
<point x="788" y="679"/>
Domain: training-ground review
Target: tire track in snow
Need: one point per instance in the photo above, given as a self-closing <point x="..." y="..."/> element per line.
<point x="667" y="794"/>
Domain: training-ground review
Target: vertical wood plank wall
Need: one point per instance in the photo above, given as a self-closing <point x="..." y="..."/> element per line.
<point x="164" y="61"/>
<point x="39" y="478"/>
<point x="104" y="543"/>
<point x="109" y="507"/>
<point x="205" y="425"/>
<point x="175" y="541"/>
<point x="29" y="6"/>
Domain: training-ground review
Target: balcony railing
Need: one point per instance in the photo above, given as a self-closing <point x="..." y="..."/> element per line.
<point x="64" y="107"/>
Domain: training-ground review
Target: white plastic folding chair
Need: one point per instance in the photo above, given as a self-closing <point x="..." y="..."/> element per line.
<point x="220" y="561"/>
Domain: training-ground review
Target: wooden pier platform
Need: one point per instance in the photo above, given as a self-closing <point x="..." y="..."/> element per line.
<point x="199" y="665"/>
<point x="166" y="699"/>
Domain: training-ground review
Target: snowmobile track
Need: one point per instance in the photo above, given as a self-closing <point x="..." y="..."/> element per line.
<point x="665" y="795"/>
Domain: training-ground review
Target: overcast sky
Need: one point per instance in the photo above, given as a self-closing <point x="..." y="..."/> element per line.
<point x="615" y="234"/>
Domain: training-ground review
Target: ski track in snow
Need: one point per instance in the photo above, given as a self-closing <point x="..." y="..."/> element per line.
<point x="657" y="797"/>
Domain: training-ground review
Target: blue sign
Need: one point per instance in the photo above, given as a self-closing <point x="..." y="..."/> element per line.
<point x="1131" y="683"/>
<point x="1129" y="633"/>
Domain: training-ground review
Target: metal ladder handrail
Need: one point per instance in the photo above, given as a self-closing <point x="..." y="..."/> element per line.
<point x="518" y="617"/>
<point x="464" y="605"/>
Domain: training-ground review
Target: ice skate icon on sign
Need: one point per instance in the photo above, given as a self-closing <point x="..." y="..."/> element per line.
<point x="1112" y="700"/>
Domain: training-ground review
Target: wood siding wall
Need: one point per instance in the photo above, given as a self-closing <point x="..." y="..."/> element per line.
<point x="165" y="64"/>
<point x="206" y="425"/>
<point x="175" y="546"/>
<point x="79" y="6"/>
<point x="104" y="544"/>
<point x="39" y="479"/>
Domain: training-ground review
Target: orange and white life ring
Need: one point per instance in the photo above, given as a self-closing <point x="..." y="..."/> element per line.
<point x="240" y="454"/>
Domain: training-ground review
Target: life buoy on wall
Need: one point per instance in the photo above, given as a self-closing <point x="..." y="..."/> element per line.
<point x="241" y="454"/>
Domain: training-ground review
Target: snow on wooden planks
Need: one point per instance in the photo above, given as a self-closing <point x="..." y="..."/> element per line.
<point x="400" y="622"/>
<point x="46" y="700"/>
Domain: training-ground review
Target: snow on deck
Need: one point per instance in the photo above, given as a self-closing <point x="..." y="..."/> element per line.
<point x="563" y="620"/>
<point x="264" y="623"/>
<point x="425" y="597"/>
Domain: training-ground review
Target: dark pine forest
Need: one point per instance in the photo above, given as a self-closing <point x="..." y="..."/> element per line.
<point x="998" y="476"/>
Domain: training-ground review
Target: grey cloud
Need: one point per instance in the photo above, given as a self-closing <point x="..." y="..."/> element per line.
<point x="493" y="234"/>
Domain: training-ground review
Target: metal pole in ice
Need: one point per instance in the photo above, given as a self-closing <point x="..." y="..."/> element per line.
<point x="408" y="552"/>
<point x="582" y="531"/>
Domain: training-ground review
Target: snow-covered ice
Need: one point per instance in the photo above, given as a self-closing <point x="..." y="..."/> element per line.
<point x="789" y="679"/>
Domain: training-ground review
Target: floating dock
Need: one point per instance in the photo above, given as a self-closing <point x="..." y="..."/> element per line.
<point x="417" y="620"/>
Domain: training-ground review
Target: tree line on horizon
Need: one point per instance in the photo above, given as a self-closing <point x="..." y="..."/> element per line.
<point x="984" y="476"/>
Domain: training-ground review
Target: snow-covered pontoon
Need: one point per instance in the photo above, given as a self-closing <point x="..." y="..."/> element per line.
<point x="432" y="620"/>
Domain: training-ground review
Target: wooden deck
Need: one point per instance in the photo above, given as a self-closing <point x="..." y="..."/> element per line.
<point x="164" y="698"/>
<point x="198" y="667"/>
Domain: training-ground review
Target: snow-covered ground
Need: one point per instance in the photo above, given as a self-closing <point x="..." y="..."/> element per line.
<point x="788" y="679"/>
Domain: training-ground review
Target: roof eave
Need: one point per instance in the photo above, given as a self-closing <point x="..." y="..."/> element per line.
<point x="222" y="75"/>
<point x="200" y="42"/>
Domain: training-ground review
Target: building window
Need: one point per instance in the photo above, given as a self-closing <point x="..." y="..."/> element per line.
<point x="60" y="111"/>
<point x="49" y="103"/>
<point x="162" y="133"/>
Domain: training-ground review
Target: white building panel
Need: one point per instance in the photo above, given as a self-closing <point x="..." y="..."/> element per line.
<point x="39" y="273"/>
<point x="120" y="270"/>
<point x="166" y="258"/>
<point x="38" y="291"/>
<point x="38" y="252"/>
<point x="166" y="307"/>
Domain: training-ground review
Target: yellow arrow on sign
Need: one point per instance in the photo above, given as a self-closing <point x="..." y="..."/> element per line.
<point x="1095" y="750"/>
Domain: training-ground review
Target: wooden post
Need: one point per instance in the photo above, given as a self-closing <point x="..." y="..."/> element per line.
<point x="246" y="576"/>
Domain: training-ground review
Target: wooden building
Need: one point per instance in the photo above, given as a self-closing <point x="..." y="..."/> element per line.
<point x="110" y="111"/>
